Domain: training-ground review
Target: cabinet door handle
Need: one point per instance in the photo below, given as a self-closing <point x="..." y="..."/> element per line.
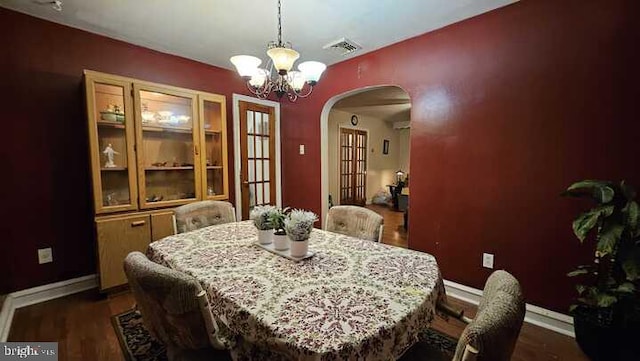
<point x="195" y="149"/>
<point x="138" y="223"/>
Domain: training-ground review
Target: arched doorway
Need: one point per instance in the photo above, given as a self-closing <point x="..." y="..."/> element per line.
<point x="379" y="115"/>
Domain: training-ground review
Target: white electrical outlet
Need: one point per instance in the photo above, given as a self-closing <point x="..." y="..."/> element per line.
<point x="45" y="255"/>
<point x="487" y="260"/>
<point x="301" y="149"/>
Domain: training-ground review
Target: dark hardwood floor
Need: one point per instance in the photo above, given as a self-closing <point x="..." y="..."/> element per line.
<point x="81" y="323"/>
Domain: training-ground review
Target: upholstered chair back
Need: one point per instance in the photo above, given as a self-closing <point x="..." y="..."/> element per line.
<point x="355" y="221"/>
<point x="201" y="214"/>
<point x="167" y="300"/>
<point x="494" y="331"/>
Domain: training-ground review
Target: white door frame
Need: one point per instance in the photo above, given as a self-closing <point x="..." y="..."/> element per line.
<point x="237" y="98"/>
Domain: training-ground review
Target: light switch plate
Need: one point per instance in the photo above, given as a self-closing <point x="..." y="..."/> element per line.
<point x="301" y="149"/>
<point x="487" y="260"/>
<point x="45" y="255"/>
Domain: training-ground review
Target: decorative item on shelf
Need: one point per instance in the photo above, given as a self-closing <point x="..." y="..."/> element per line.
<point x="109" y="152"/>
<point x="175" y="162"/>
<point x="159" y="164"/>
<point x="280" y="240"/>
<point x="164" y="117"/>
<point x="119" y="113"/>
<point x="210" y="191"/>
<point x="147" y="116"/>
<point x="298" y="226"/>
<point x="155" y="198"/>
<point x="208" y="162"/>
<point x="607" y="314"/>
<point x="262" y="82"/>
<point x="110" y="199"/>
<point x="261" y="217"/>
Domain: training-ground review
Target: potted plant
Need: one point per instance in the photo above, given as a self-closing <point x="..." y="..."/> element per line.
<point x="277" y="217"/>
<point x="261" y="216"/>
<point x="607" y="312"/>
<point x="298" y="227"/>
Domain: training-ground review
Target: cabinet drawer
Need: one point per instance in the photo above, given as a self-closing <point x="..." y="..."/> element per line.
<point x="117" y="237"/>
<point x="161" y="225"/>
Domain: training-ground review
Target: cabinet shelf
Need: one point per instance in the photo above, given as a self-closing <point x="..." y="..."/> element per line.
<point x="212" y="132"/>
<point x="161" y="128"/>
<point x="214" y="167"/>
<point x="169" y="168"/>
<point x="110" y="124"/>
<point x="113" y="169"/>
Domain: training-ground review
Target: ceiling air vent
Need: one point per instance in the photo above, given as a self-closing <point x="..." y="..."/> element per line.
<point x="343" y="45"/>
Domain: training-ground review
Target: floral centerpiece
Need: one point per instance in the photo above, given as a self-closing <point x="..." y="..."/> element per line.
<point x="298" y="226"/>
<point x="261" y="217"/>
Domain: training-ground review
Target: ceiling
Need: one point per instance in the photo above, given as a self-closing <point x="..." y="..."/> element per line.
<point x="211" y="31"/>
<point x="389" y="103"/>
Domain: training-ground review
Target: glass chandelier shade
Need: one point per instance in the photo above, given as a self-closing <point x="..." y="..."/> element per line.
<point x="263" y="81"/>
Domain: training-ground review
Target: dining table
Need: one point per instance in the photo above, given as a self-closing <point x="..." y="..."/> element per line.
<point x="354" y="299"/>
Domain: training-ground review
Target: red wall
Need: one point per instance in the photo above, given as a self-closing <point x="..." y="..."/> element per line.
<point x="508" y="109"/>
<point x="46" y="183"/>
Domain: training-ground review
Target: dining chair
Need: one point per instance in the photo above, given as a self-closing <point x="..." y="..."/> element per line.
<point x="492" y="334"/>
<point x="175" y="310"/>
<point x="356" y="222"/>
<point x="201" y="214"/>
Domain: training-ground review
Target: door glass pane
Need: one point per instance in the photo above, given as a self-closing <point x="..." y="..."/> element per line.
<point x="250" y="121"/>
<point x="252" y="193"/>
<point x="251" y="167"/>
<point x="167" y="146"/>
<point x="250" y="145"/>
<point x="259" y="199"/>
<point x="265" y="123"/>
<point x="110" y="118"/>
<point x="258" y="123"/>
<point x="258" y="147"/>
<point x="258" y="170"/>
<point x="266" y="169"/>
<point x="212" y="124"/>
<point x="265" y="147"/>
<point x="267" y="196"/>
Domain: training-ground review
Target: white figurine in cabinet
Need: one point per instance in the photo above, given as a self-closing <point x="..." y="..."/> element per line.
<point x="109" y="152"/>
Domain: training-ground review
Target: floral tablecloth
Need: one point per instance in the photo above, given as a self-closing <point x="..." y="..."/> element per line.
<point x="354" y="299"/>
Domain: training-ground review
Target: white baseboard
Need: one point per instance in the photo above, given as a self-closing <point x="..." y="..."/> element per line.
<point x="39" y="294"/>
<point x="536" y="315"/>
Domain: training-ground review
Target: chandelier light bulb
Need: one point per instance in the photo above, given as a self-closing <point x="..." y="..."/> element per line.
<point x="283" y="58"/>
<point x="296" y="80"/>
<point x="246" y="65"/>
<point x="312" y="70"/>
<point x="258" y="78"/>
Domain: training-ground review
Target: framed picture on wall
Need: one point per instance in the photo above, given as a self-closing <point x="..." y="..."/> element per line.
<point x="385" y="146"/>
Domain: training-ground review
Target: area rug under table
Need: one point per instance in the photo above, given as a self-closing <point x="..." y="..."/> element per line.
<point x="138" y="345"/>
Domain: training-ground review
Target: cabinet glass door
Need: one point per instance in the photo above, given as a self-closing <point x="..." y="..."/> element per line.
<point x="111" y="139"/>
<point x="214" y="144"/>
<point x="167" y="160"/>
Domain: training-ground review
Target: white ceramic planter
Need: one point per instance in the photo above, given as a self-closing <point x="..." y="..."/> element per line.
<point x="280" y="242"/>
<point x="265" y="236"/>
<point x="299" y="248"/>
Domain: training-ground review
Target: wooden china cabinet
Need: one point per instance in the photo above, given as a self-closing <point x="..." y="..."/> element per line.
<point x="153" y="147"/>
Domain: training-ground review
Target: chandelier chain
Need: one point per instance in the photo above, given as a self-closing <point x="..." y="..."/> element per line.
<point x="279" y="24"/>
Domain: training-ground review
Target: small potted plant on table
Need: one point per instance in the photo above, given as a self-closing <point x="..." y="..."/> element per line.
<point x="298" y="227"/>
<point x="261" y="216"/>
<point x="280" y="240"/>
<point x="607" y="314"/>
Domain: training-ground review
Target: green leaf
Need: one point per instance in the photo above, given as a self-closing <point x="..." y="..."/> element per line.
<point x="577" y="272"/>
<point x="601" y="191"/>
<point x="580" y="289"/>
<point x="626" y="287"/>
<point x="609" y="237"/>
<point x="633" y="212"/>
<point x="631" y="265"/>
<point x="572" y="308"/>
<point x="585" y="222"/>
<point x="605" y="300"/>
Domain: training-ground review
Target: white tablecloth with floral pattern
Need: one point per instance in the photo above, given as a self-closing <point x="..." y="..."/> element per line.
<point x="354" y="299"/>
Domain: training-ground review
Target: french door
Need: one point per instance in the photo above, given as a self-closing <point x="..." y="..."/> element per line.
<point x="258" y="156"/>
<point x="353" y="166"/>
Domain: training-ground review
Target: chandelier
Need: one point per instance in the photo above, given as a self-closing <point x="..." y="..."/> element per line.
<point x="277" y="76"/>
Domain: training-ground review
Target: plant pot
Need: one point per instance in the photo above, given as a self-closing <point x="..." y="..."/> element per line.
<point x="603" y="336"/>
<point x="265" y="236"/>
<point x="299" y="248"/>
<point x="280" y="242"/>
